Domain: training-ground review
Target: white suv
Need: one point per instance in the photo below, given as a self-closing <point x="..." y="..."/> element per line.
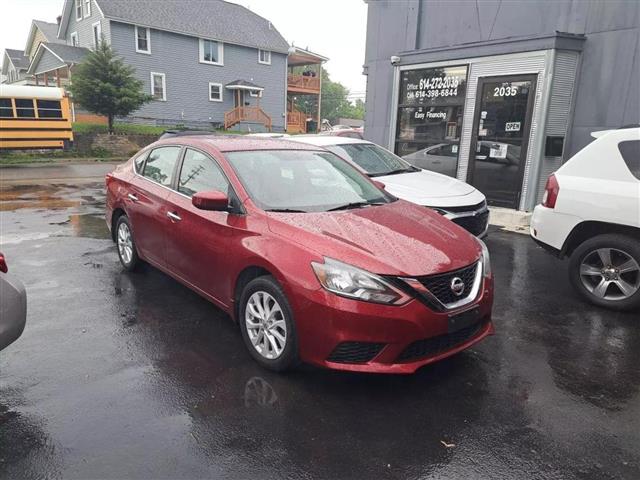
<point x="591" y="213"/>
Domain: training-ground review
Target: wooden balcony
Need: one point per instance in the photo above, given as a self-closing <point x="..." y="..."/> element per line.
<point x="303" y="84"/>
<point x="246" y="114"/>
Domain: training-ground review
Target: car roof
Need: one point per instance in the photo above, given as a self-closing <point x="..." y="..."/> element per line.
<point x="325" y="140"/>
<point x="235" y="143"/>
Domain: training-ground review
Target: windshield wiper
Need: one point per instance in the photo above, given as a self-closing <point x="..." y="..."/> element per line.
<point x="352" y="205"/>
<point x="395" y="172"/>
<point x="285" y="210"/>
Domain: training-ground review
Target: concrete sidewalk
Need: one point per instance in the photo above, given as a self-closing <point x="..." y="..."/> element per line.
<point x="55" y="173"/>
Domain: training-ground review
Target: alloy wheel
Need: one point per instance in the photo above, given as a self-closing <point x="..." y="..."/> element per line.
<point x="266" y="326"/>
<point x="610" y="274"/>
<point x="125" y="244"/>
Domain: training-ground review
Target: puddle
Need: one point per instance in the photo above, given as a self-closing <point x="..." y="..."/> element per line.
<point x="88" y="226"/>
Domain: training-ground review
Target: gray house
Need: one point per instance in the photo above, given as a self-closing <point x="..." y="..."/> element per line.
<point x="496" y="93"/>
<point x="14" y="66"/>
<point x="205" y="62"/>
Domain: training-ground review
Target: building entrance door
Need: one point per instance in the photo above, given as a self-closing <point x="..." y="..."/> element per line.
<point x="500" y="136"/>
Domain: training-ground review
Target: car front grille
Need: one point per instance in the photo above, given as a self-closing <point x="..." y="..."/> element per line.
<point x="434" y="345"/>
<point x="355" y="352"/>
<point x="474" y="224"/>
<point x="440" y="285"/>
<point x="465" y="208"/>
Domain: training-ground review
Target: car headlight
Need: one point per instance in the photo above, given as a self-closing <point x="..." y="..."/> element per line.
<point x="486" y="259"/>
<point x="352" y="282"/>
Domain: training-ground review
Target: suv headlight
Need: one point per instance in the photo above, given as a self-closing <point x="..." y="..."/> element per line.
<point x="486" y="259"/>
<point x="352" y="282"/>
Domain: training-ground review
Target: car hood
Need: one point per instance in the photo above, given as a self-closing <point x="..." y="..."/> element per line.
<point x="431" y="189"/>
<point x="399" y="238"/>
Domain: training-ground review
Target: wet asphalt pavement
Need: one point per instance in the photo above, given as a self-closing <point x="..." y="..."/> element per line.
<point x="122" y="375"/>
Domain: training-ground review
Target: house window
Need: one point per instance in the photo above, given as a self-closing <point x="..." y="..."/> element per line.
<point x="87" y="8"/>
<point x="158" y="86"/>
<point x="97" y="34"/>
<point x="215" y="92"/>
<point x="264" y="56"/>
<point x="79" y="9"/>
<point x="255" y="93"/>
<point x="74" y="39"/>
<point x="211" y="52"/>
<point x="143" y="40"/>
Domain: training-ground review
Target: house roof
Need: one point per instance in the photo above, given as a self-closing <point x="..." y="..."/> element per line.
<point x="68" y="53"/>
<point x="17" y="58"/>
<point x="243" y="85"/>
<point x="49" y="30"/>
<point x="212" y="19"/>
<point x="65" y="53"/>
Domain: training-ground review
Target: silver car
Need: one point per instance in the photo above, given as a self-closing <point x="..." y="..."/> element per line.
<point x="13" y="306"/>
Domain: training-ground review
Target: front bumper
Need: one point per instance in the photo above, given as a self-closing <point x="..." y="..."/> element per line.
<point x="326" y="322"/>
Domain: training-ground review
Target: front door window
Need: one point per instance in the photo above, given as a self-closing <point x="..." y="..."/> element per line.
<point x="500" y="136"/>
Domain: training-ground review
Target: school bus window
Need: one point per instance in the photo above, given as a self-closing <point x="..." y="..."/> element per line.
<point x="49" y="109"/>
<point x="24" y="108"/>
<point x="6" y="110"/>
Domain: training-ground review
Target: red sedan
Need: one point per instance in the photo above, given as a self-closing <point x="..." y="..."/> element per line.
<point x="314" y="261"/>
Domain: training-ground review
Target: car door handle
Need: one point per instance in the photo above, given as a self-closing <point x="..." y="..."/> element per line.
<point x="132" y="197"/>
<point x="174" y="216"/>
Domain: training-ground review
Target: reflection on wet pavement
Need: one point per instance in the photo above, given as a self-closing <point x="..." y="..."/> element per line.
<point x="124" y="375"/>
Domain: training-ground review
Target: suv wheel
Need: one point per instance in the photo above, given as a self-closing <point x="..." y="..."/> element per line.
<point x="267" y="325"/>
<point x="126" y="245"/>
<point x="606" y="271"/>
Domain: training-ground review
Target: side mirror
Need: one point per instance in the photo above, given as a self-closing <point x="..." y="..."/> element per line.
<point x="379" y="184"/>
<point x="213" y="200"/>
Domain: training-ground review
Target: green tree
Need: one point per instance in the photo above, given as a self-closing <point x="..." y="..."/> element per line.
<point x="334" y="103"/>
<point x="104" y="85"/>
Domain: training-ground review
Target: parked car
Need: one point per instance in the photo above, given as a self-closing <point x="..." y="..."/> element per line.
<point x="440" y="158"/>
<point x="343" y="132"/>
<point x="308" y="255"/>
<point x="458" y="201"/>
<point x="591" y="213"/>
<point x="13" y="306"/>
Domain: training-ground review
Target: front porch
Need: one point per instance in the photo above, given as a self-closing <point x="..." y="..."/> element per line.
<point x="244" y="93"/>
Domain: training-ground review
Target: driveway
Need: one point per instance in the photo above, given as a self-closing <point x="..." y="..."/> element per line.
<point x="122" y="375"/>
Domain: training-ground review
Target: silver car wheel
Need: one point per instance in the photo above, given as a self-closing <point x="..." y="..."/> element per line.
<point x="125" y="244"/>
<point x="610" y="274"/>
<point x="266" y="326"/>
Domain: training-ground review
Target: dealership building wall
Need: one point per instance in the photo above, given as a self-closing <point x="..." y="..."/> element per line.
<point x="581" y="61"/>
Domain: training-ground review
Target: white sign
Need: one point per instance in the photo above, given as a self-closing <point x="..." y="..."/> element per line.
<point x="498" y="150"/>
<point x="512" y="127"/>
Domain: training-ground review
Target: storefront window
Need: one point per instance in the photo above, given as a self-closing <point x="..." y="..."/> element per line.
<point x="429" y="119"/>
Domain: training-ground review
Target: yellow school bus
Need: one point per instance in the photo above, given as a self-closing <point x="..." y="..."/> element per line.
<point x="34" y="117"/>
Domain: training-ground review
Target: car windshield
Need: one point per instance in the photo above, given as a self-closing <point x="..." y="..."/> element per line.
<point x="374" y="160"/>
<point x="303" y="181"/>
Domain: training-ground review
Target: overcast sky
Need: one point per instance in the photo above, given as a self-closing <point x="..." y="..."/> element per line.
<point x="333" y="28"/>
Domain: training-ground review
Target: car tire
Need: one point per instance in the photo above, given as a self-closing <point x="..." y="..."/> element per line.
<point x="263" y="335"/>
<point x="126" y="245"/>
<point x="602" y="282"/>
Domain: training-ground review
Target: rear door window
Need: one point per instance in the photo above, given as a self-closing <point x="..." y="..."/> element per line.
<point x="138" y="162"/>
<point x="160" y="165"/>
<point x="630" y="151"/>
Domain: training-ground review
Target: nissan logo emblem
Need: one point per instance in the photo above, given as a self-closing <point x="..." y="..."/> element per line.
<point x="457" y="286"/>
